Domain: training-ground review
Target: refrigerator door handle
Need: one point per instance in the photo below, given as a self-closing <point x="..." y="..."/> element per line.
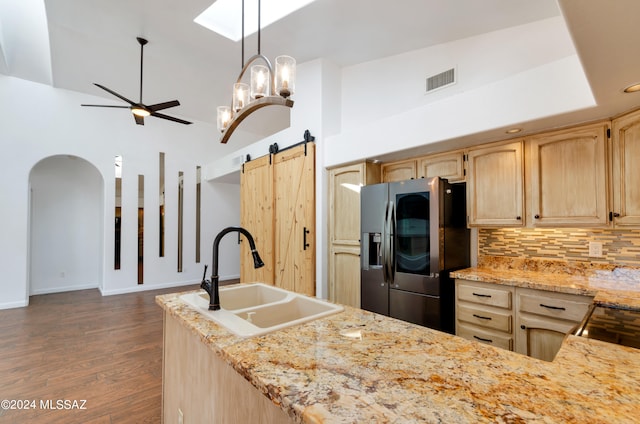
<point x="388" y="261"/>
<point x="385" y="245"/>
<point x="392" y="246"/>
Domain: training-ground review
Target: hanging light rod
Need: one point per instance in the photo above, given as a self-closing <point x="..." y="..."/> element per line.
<point x="267" y="88"/>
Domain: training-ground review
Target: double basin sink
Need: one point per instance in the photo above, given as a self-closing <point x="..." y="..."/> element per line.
<point x="255" y="309"/>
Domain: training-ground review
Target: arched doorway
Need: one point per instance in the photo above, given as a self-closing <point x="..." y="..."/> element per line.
<point x="66" y="225"/>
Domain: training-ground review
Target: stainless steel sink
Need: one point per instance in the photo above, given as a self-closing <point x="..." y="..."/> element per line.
<point x="255" y="309"/>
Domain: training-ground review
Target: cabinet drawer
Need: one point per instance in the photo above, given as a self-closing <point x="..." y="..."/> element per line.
<point x="554" y="305"/>
<point x="496" y="320"/>
<point x="491" y="295"/>
<point x="504" y="341"/>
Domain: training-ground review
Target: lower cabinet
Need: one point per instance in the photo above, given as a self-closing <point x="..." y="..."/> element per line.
<point x="544" y="318"/>
<point x="484" y="313"/>
<point x="198" y="386"/>
<point x="528" y="321"/>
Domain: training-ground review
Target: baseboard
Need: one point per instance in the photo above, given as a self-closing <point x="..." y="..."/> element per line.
<point x="62" y="289"/>
<point x="12" y="305"/>
<point x="145" y="287"/>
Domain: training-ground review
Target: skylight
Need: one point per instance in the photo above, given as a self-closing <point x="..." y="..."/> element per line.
<point x="225" y="16"/>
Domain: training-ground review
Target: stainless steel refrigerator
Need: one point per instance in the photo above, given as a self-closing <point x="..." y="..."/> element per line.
<point x="414" y="233"/>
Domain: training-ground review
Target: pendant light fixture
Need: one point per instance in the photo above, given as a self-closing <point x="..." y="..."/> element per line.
<point x="266" y="88"/>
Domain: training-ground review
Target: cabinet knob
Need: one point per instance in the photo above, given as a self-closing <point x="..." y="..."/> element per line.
<point x="518" y="218"/>
<point x="523" y="327"/>
<point x="537" y="217"/>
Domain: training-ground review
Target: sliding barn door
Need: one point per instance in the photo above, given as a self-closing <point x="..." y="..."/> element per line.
<point x="257" y="217"/>
<point x="294" y="192"/>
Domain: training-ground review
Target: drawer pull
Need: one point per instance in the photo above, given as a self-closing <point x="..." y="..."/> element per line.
<point x="482" y="340"/>
<point x="557" y="308"/>
<point x="481" y="317"/>
<point x="481" y="295"/>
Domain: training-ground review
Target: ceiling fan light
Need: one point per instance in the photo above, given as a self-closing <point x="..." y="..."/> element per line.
<point x="285" y="75"/>
<point x="632" y="88"/>
<point x="138" y="111"/>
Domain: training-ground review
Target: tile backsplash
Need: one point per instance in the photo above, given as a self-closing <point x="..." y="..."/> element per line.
<point x="619" y="247"/>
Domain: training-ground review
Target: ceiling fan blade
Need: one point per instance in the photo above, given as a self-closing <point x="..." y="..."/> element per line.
<point x="120" y="107"/>
<point x="170" y="118"/>
<point x="165" y="105"/>
<point x="139" y="119"/>
<point x="114" y="93"/>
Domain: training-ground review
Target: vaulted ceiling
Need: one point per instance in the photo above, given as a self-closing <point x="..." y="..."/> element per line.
<point x="71" y="44"/>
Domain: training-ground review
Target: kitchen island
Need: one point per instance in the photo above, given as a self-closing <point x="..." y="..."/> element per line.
<point x="357" y="366"/>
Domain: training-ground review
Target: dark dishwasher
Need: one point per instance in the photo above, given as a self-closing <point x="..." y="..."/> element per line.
<point x="619" y="326"/>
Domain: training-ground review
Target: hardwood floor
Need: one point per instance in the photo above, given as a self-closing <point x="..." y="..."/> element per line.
<point x="80" y="346"/>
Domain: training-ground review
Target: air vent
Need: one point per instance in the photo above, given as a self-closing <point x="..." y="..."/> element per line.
<point x="441" y="80"/>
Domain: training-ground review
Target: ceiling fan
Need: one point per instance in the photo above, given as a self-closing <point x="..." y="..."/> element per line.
<point x="139" y="109"/>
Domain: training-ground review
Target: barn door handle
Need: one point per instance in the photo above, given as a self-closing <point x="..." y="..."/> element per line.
<point x="304" y="238"/>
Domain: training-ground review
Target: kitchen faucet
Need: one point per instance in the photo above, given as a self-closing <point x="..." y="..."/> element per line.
<point x="212" y="287"/>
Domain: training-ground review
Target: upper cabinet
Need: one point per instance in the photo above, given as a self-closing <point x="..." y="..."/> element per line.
<point x="495" y="185"/>
<point x="626" y="170"/>
<point x="585" y="176"/>
<point x="399" y="171"/>
<point x="567" y="173"/>
<point x="449" y="166"/>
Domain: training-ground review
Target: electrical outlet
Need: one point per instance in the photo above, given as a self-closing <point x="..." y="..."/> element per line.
<point x="595" y="249"/>
<point x="180" y="416"/>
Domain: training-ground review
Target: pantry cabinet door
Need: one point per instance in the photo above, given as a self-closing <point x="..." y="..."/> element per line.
<point x="495" y="186"/>
<point x="568" y="177"/>
<point x="626" y="171"/>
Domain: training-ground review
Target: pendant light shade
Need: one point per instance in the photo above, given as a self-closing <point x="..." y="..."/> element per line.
<point x="285" y="76"/>
<point x="260" y="81"/>
<point x="267" y="88"/>
<point x="240" y="96"/>
<point x="224" y="117"/>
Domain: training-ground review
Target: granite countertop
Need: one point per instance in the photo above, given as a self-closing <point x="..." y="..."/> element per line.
<point x="357" y="366"/>
<point x="611" y="286"/>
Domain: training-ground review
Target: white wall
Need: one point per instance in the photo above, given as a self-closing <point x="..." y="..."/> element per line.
<point x="504" y="77"/>
<point x="39" y="121"/>
<point x="66" y="225"/>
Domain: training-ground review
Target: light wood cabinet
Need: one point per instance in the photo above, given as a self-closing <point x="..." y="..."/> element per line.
<point x="448" y="165"/>
<point x="344" y="229"/>
<point x="531" y="322"/>
<point x="345" y="275"/>
<point x="543" y="319"/>
<point x="626" y="171"/>
<point x="257" y="217"/>
<point x="199" y="385"/>
<point x="484" y="313"/>
<point x="277" y="206"/>
<point x="495" y="185"/>
<point x="567" y="172"/>
<point x="399" y="171"/>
